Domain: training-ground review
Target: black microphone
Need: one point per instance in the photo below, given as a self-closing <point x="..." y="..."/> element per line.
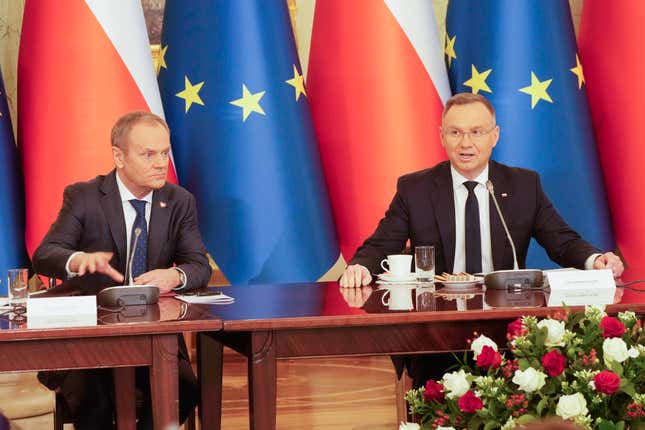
<point x="137" y="233"/>
<point x="510" y="279"/>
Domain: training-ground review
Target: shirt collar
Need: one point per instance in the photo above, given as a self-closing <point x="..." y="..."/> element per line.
<point x="126" y="195"/>
<point x="458" y="179"/>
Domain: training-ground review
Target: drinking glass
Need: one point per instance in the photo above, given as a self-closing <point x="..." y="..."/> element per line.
<point x="17" y="282"/>
<point x="424" y="263"/>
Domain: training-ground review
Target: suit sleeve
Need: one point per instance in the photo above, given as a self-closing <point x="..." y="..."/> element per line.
<point x="390" y="236"/>
<point x="62" y="239"/>
<point x="190" y="252"/>
<point x="561" y="242"/>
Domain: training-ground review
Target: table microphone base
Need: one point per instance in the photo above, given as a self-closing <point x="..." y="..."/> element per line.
<point x="128" y="295"/>
<point x="513" y="279"/>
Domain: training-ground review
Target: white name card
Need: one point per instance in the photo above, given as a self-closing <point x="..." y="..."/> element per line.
<point x="580" y="279"/>
<point x="50" y="312"/>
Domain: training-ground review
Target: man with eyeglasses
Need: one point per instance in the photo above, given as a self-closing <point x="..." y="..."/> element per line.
<point x="436" y="207"/>
<point x="430" y="208"/>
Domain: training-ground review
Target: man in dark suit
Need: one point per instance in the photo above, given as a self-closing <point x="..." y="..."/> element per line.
<point x="130" y="214"/>
<point x="430" y="207"/>
<point x="448" y="206"/>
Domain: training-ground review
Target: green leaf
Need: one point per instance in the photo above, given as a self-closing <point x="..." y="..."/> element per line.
<point x="620" y="425"/>
<point x="606" y="425"/>
<point x="474" y="423"/>
<point x="491" y="425"/>
<point x="525" y="419"/>
<point x="540" y="406"/>
<point x="523" y="364"/>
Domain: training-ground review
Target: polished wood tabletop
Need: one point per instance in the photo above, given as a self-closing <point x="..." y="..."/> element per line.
<point x="273" y="321"/>
<point x="132" y="336"/>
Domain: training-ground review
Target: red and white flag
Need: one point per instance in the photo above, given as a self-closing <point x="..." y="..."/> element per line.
<point x="611" y="51"/>
<point x="377" y="84"/>
<point x="82" y="65"/>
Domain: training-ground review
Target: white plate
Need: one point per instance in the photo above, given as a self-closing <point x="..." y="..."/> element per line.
<point x="386" y="277"/>
<point x="462" y="284"/>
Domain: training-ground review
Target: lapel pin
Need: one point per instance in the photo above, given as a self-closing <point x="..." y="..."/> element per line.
<point x="162" y="204"/>
<point x="504" y="194"/>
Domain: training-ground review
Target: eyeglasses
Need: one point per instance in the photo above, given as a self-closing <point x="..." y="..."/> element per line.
<point x="458" y="134"/>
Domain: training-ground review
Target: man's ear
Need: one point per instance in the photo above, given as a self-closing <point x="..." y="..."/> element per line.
<point x="117" y="155"/>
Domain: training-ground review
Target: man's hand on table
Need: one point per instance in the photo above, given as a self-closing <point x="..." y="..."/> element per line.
<point x="355" y="275"/>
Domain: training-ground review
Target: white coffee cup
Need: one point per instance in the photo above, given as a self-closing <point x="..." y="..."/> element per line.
<point x="398" y="265"/>
<point x="398" y="299"/>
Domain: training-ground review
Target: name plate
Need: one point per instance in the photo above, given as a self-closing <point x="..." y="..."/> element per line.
<point x="51" y="312"/>
<point x="580" y="279"/>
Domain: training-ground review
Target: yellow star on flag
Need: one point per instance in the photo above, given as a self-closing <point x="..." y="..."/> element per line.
<point x="297" y="82"/>
<point x="162" y="57"/>
<point x="477" y="80"/>
<point x="249" y="102"/>
<point x="450" y="48"/>
<point x="537" y="90"/>
<point x="191" y="93"/>
<point x="578" y="72"/>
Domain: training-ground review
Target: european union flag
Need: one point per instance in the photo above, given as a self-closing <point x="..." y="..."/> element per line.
<point x="243" y="139"/>
<point x="522" y="56"/>
<point x="13" y="253"/>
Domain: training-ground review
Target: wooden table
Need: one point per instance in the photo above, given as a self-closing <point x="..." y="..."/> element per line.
<point x="270" y="322"/>
<point x="137" y="336"/>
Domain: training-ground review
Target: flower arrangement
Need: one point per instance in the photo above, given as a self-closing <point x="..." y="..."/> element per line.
<point x="586" y="367"/>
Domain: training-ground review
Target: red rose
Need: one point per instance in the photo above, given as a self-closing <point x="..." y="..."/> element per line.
<point x="434" y="391"/>
<point x="470" y="403"/>
<point x="554" y="363"/>
<point x="515" y="329"/>
<point x="489" y="358"/>
<point x="606" y="382"/>
<point x="611" y="327"/>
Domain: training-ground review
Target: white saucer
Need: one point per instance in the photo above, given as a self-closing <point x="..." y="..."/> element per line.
<point x="389" y="279"/>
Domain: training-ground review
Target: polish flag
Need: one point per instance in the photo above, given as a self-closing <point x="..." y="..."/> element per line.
<point x="610" y="41"/>
<point x="376" y="83"/>
<point x="81" y="66"/>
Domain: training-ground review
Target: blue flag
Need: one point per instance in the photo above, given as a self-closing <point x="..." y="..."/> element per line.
<point x="243" y="139"/>
<point x="522" y="56"/>
<point x="13" y="253"/>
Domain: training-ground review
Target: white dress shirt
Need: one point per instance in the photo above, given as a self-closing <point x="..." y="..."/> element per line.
<point x="461" y="194"/>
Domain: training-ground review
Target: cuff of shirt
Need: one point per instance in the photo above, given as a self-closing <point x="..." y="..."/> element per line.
<point x="183" y="276"/>
<point x="69" y="260"/>
<point x="589" y="261"/>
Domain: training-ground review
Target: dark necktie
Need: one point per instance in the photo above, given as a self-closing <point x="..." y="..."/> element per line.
<point x="473" y="236"/>
<point x="140" y="252"/>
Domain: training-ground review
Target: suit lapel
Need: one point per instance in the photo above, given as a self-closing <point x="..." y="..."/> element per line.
<point x="113" y="210"/>
<point x="443" y="201"/>
<point x="497" y="233"/>
<point x="159" y="224"/>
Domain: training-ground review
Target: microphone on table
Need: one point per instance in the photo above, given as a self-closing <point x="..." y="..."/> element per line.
<point x="137" y="233"/>
<point x="128" y="294"/>
<point x="510" y="279"/>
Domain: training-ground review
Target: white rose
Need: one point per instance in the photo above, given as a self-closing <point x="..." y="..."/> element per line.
<point x="480" y="343"/>
<point x="529" y="380"/>
<point x="633" y="352"/>
<point x="615" y="349"/>
<point x="555" y="332"/>
<point x="409" y="426"/>
<point x="455" y="384"/>
<point x="445" y="428"/>
<point x="571" y="406"/>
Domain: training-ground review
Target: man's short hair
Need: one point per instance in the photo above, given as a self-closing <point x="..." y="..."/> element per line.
<point x="124" y="125"/>
<point x="466" y="99"/>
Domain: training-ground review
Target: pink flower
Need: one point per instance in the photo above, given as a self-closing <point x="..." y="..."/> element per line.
<point x="489" y="358"/>
<point x="554" y="363"/>
<point x="612" y="327"/>
<point x="434" y="391"/>
<point x="515" y="329"/>
<point x="470" y="403"/>
<point x="606" y="382"/>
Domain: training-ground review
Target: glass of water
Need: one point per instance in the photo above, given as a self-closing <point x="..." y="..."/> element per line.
<point x="424" y="263"/>
<point x="17" y="283"/>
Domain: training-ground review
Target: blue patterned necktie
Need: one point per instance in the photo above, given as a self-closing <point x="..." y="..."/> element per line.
<point x="140" y="257"/>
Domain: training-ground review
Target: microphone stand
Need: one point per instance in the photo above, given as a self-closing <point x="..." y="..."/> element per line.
<point x="517" y="278"/>
<point x="137" y="233"/>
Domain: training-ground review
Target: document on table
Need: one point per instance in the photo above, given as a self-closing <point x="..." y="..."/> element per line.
<point x="213" y="299"/>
